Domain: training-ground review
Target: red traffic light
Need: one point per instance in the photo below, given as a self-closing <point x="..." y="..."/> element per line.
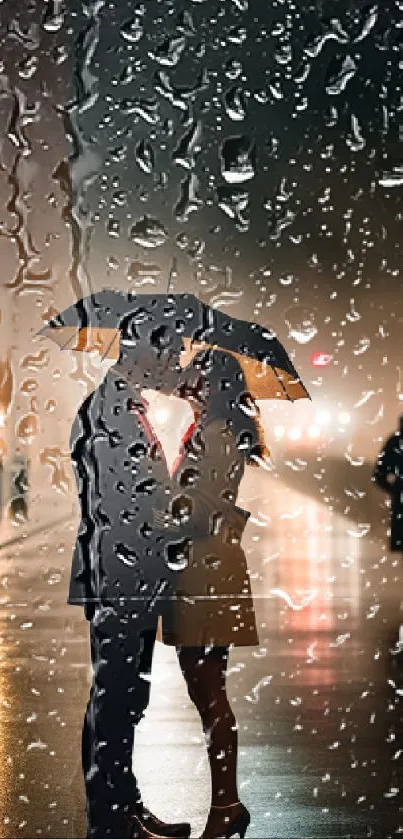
<point x="320" y="359"/>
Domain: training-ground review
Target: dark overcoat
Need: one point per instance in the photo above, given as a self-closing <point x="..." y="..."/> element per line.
<point x="155" y="543"/>
<point x="388" y="474"/>
<point x="121" y="476"/>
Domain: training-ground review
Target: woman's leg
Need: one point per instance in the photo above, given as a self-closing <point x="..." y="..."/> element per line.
<point x="204" y="669"/>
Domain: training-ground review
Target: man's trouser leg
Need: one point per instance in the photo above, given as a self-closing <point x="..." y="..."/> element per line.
<point x="121" y="653"/>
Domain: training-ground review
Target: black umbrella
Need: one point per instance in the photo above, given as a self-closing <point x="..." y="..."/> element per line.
<point x="107" y="320"/>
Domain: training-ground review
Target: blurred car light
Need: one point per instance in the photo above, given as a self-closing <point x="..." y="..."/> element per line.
<point x="323" y="417"/>
<point x="279" y="431"/>
<point x="295" y="433"/>
<point x="320" y="359"/>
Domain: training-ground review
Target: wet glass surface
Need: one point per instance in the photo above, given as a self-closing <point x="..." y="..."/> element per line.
<point x="249" y="154"/>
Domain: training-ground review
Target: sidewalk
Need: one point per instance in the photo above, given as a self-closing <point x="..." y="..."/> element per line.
<point x="317" y="703"/>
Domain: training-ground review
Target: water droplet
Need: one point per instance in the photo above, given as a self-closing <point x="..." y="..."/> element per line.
<point x="179" y="96"/>
<point x="27" y="428"/>
<point x="177" y="554"/>
<point x="369" y="17"/>
<point x="333" y="31"/>
<point x="185" y="23"/>
<point x="189" y="477"/>
<point x="235" y="103"/>
<point x="340" y="72"/>
<point x="149" y="233"/>
<point x="147" y="109"/>
<point x="393" y="178"/>
<point x="143" y="273"/>
<point x="144" y="156"/>
<point x="137" y="451"/>
<point x="132" y="30"/>
<point x="181" y="509"/>
<point x="188" y="147"/>
<point x="28" y="386"/>
<point x="233" y="69"/>
<point x="237" y="35"/>
<point x="254" y="695"/>
<point x="113" y="228"/>
<point x="52" y="576"/>
<point x="6" y="386"/>
<point x="234" y="203"/>
<point x="301" y="325"/>
<point x="360" y="531"/>
<point x="28" y="67"/>
<point x="60" y="54"/>
<point x="237" y="159"/>
<point x="54" y="457"/>
<point x="355" y="140"/>
<point x="212" y="562"/>
<point x="126" y="555"/>
<point x="169" y="52"/>
<point x="146" y="487"/>
<point x="189" y="202"/>
<point x="35" y="362"/>
<point x="17" y="510"/>
<point x="53" y="17"/>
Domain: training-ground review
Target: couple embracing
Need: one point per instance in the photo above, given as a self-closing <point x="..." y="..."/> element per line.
<point x="158" y="544"/>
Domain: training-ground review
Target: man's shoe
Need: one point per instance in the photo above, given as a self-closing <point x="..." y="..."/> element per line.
<point x="144" y="825"/>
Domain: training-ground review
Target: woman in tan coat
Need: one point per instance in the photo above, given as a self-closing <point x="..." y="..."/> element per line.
<point x="212" y="610"/>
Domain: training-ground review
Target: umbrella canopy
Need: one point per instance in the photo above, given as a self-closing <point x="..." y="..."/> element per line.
<point x="111" y="320"/>
<point x="263" y="380"/>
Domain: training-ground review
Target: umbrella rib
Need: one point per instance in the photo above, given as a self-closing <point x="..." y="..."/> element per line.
<point x="281" y="383"/>
<point x="69" y="341"/>
<point x="171" y="275"/>
<point x="108" y="347"/>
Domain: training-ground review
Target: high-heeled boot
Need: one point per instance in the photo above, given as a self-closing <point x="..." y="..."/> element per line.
<point x="225" y="822"/>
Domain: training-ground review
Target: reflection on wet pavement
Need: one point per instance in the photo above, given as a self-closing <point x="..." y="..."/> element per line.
<point x="318" y="703"/>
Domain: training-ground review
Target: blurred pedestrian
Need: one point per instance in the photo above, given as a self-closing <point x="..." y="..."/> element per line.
<point x="388" y="474"/>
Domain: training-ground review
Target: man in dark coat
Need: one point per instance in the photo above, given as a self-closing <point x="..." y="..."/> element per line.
<point x="388" y="474"/>
<point x="123" y="572"/>
<point x="133" y="545"/>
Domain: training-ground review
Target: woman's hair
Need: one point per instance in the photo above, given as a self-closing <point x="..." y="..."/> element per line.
<point x="215" y="383"/>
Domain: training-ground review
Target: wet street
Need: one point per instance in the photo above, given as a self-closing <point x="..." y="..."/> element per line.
<point x="319" y="703"/>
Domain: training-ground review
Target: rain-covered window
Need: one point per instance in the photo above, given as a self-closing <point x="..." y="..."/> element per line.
<point x="247" y="154"/>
